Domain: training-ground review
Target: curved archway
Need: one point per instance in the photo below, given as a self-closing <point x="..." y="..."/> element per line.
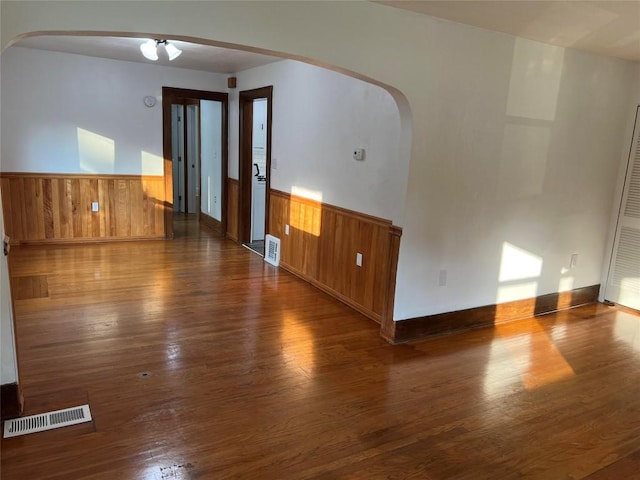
<point x="401" y="101"/>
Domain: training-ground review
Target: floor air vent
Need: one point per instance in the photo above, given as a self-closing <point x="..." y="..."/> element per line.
<point x="46" y="421"/>
<point x="272" y="250"/>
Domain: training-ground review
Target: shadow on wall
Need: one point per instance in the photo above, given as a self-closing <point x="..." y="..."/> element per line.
<point x="531" y="111"/>
<point x="94" y="204"/>
<point x="510" y="233"/>
<point x="532" y="104"/>
<point x="97" y="154"/>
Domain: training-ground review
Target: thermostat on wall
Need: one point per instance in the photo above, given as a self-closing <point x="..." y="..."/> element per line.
<point x="149" y="101"/>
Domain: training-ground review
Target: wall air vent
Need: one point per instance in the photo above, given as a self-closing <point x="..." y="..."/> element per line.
<point x="272" y="250"/>
<point x="46" y="421"/>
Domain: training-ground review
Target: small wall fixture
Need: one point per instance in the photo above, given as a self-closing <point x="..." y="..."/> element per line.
<point x="150" y="49"/>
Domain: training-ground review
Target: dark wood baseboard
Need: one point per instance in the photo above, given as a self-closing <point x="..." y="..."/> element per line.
<point x="452" y="322"/>
<point x="85" y="240"/>
<point x="212" y="223"/>
<point x="11" y="400"/>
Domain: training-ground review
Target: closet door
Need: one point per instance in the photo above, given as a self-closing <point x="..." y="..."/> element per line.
<point x="623" y="284"/>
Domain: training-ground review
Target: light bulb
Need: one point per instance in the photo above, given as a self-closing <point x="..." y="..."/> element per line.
<point x="172" y="51"/>
<point x="149" y="49"/>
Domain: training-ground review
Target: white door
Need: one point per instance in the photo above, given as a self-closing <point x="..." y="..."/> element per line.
<point x="259" y="173"/>
<point x="623" y="283"/>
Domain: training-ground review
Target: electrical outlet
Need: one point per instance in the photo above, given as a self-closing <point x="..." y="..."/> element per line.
<point x="286" y="229"/>
<point x="94" y="206"/>
<point x="359" y="259"/>
<point x="358" y="154"/>
<point x="274" y="163"/>
<point x="215" y="199"/>
<point x="442" y="278"/>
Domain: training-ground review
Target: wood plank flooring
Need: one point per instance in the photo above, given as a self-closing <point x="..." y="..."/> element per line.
<point x="254" y="374"/>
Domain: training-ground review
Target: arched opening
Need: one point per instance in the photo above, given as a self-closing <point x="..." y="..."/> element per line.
<point x="398" y="156"/>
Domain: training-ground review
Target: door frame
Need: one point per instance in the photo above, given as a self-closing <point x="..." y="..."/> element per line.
<point x="186" y="152"/>
<point x="620" y="207"/>
<point x="172" y="95"/>
<point x="245" y="161"/>
<point x="186" y="102"/>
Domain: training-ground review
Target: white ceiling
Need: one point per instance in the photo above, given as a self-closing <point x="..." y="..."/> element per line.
<point x="194" y="56"/>
<point x="610" y="28"/>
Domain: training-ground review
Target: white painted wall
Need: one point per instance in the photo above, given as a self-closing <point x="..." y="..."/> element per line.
<point x="211" y="144"/>
<point x="512" y="141"/>
<point x="64" y="113"/>
<point x="522" y="152"/>
<point x="319" y="117"/>
<point x="8" y="362"/>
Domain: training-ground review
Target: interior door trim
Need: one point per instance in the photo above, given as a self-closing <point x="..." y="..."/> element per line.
<point x="245" y="163"/>
<point x="172" y="95"/>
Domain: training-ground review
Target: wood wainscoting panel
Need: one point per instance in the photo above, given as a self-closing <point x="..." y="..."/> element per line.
<point x="233" y="189"/>
<point x="322" y="245"/>
<point x="305" y="229"/>
<point x="387" y="327"/>
<point x="56" y="208"/>
<point x="343" y="236"/>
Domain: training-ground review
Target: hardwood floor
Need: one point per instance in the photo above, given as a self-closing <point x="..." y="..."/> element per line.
<point x="254" y="374"/>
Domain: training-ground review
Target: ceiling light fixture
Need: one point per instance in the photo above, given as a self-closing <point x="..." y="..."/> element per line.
<point x="172" y="51"/>
<point x="150" y="49"/>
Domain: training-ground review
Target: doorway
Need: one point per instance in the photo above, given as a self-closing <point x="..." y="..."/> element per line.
<point x="623" y="281"/>
<point x="255" y="166"/>
<point x="185" y="154"/>
<point x="195" y="151"/>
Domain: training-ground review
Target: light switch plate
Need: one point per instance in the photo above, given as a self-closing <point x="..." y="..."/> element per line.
<point x="94" y="206"/>
<point x="574" y="261"/>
